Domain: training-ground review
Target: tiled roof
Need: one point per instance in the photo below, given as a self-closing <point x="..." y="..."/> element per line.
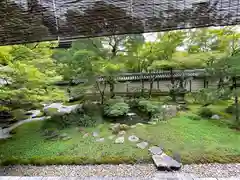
<point x="157" y="75"/>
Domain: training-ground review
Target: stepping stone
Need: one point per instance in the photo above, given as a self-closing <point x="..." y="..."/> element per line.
<point x="177" y="157"/>
<point x="165" y="162"/>
<point x="122" y="133"/>
<point x="133" y="126"/>
<point x="152" y="122"/>
<point x="140" y="124"/>
<point x="111" y="137"/>
<point x="100" y="140"/>
<point x="85" y="135"/>
<point x="142" y="145"/>
<point x="66" y="138"/>
<point x="133" y="138"/>
<point x="95" y="134"/>
<point x="119" y="140"/>
<point x="154" y="150"/>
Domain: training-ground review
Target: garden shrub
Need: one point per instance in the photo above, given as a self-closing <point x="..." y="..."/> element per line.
<point x="151" y="107"/>
<point x="194" y="116"/>
<point x="91" y="108"/>
<point x="68" y="120"/>
<point x="205" y="112"/>
<point x="116" y="107"/>
<point x="231" y="109"/>
<point x="19" y="114"/>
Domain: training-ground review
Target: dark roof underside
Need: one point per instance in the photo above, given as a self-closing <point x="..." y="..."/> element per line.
<point x="23" y="21"/>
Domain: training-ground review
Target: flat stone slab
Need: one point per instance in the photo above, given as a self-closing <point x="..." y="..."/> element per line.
<point x="142" y="145"/>
<point x="119" y="140"/>
<point x="155" y="150"/>
<point x="111" y="137"/>
<point x="133" y="138"/>
<point x="95" y="134"/>
<point x="165" y="162"/>
<point x="100" y="140"/>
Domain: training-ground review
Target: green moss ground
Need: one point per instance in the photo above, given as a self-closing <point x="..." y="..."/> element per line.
<point x="198" y="141"/>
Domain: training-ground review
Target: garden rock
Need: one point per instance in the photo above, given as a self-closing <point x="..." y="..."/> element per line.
<point x="133" y="138"/>
<point x="215" y="117"/>
<point x="34" y="113"/>
<point x="63" y="135"/>
<point x="50" y="134"/>
<point x="165" y="162"/>
<point x="115" y="128"/>
<point x="111" y="137"/>
<point x="142" y="145"/>
<point x="61" y="108"/>
<point x="152" y="122"/>
<point x="124" y="127"/>
<point x="154" y="150"/>
<point x="169" y="111"/>
<point x="122" y="133"/>
<point x="133" y="126"/>
<point x="100" y="140"/>
<point x="140" y="124"/>
<point x="85" y="135"/>
<point x="95" y="134"/>
<point x="66" y="138"/>
<point x="119" y="140"/>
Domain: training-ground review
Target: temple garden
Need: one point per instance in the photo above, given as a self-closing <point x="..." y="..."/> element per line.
<point x="122" y="99"/>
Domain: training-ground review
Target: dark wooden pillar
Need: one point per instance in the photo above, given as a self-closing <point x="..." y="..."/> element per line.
<point x="190" y="85"/>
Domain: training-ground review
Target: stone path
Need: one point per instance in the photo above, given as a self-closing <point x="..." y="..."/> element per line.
<point x="158" y="176"/>
<point x="4" y="133"/>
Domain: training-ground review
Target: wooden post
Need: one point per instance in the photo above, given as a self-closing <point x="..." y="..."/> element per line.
<point x="190" y="85"/>
<point x="204" y="82"/>
<point x="158" y="84"/>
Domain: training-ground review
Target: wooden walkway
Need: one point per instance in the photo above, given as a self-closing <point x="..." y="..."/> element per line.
<point x="156" y="177"/>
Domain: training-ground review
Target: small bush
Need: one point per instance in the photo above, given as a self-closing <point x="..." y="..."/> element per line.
<point x="116" y="108"/>
<point x="68" y="120"/>
<point x="231" y="109"/>
<point x="151" y="107"/>
<point x="205" y="112"/>
<point x="194" y="117"/>
<point x="89" y="107"/>
<point x="19" y="114"/>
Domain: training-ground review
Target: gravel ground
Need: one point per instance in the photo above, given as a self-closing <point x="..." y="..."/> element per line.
<point x="143" y="171"/>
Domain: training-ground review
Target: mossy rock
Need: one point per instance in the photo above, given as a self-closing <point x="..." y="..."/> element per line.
<point x="19" y="114"/>
<point x="50" y="111"/>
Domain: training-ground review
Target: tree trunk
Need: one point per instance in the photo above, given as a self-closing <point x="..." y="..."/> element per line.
<point x="111" y="87"/>
<point x="142" y="87"/>
<point x="172" y="78"/>
<point x="236" y="99"/>
<point x="150" y="89"/>
<point x="220" y="83"/>
<point x="102" y="92"/>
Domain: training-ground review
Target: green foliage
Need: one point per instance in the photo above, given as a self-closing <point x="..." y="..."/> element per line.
<point x="30" y="72"/>
<point x="69" y="120"/>
<point x="231" y="109"/>
<point x="151" y="107"/>
<point x="116" y="107"/>
<point x="205" y="112"/>
<point x="196" y="141"/>
<point x="19" y="114"/>
<point x="193" y="116"/>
